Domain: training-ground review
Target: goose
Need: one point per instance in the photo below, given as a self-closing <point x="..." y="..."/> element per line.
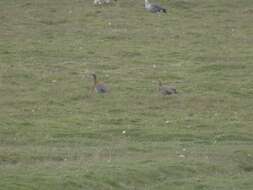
<point x="166" y="90"/>
<point x="99" y="87"/>
<point x="154" y="8"/>
<point x="100" y="2"/>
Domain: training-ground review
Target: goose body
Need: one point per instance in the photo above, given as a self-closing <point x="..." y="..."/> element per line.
<point x="100" y="2"/>
<point x="166" y="89"/>
<point x="99" y="87"/>
<point x="154" y="8"/>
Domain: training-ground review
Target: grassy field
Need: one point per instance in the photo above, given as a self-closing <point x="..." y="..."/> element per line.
<point x="55" y="135"/>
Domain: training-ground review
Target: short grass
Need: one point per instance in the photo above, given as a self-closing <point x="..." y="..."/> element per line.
<point x="55" y="135"/>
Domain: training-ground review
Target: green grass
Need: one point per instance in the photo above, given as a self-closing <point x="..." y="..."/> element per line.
<point x="55" y="135"/>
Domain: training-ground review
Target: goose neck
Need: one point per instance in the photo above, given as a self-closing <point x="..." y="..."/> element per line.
<point x="147" y="4"/>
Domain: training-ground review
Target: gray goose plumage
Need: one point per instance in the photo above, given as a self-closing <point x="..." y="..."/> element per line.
<point x="154" y="8"/>
<point x="99" y="87"/>
<point x="100" y="2"/>
<point x="166" y="90"/>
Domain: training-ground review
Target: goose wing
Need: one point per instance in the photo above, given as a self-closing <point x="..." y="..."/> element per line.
<point x="167" y="90"/>
<point x="101" y="88"/>
<point x="157" y="8"/>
